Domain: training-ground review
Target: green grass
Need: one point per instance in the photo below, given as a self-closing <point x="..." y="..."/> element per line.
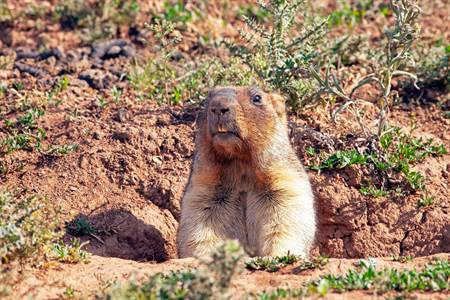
<point x="61" y="85"/>
<point x="434" y="277"/>
<point x="116" y="94"/>
<point x="98" y="21"/>
<point x="280" y="49"/>
<point x="23" y="132"/>
<point x="211" y="280"/>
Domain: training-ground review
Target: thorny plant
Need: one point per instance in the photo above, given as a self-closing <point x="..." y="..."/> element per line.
<point x="280" y="60"/>
<point x="396" y="55"/>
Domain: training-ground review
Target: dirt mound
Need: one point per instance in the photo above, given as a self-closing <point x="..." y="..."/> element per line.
<point x="130" y="170"/>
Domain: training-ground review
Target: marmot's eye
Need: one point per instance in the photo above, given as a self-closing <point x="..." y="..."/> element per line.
<point x="256" y="99"/>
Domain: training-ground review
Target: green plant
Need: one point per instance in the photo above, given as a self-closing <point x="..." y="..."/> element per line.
<point x="342" y="159"/>
<point x="28" y="227"/>
<point x="168" y="81"/>
<point x="271" y="264"/>
<point x="373" y="191"/>
<point x="99" y="20"/>
<point x="116" y="94"/>
<point x="69" y="253"/>
<point x="211" y="280"/>
<point x="279" y="56"/>
<point x="26" y="121"/>
<point x="176" y="12"/>
<point x="433" y="277"/>
<point x="80" y="226"/>
<point x="349" y="12"/>
<point x="23" y="132"/>
<point x="61" y="85"/>
<point x="389" y="63"/>
<point x="425" y="201"/>
<point x="102" y="102"/>
<point x="62" y="150"/>
<point x="69" y="293"/>
<point x="72" y="14"/>
<point x="402" y="259"/>
<point x="18" y="85"/>
<point x="394" y="155"/>
<point x="433" y="66"/>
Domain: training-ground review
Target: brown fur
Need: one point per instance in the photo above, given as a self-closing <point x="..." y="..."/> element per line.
<point x="246" y="182"/>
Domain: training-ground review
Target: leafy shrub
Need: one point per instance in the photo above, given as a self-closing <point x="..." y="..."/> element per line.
<point x="28" y="227"/>
<point x="72" y="14"/>
<point x="433" y="66"/>
<point x="176" y="12"/>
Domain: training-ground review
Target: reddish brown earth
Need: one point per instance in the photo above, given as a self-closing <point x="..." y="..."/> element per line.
<point x="128" y="174"/>
<point x="88" y="279"/>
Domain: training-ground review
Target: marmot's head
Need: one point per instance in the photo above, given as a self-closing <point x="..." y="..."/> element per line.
<point x="242" y="120"/>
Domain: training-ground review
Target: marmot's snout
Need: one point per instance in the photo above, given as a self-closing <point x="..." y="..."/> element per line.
<point x="221" y="114"/>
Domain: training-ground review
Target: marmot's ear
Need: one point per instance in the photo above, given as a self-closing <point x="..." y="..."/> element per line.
<point x="279" y="103"/>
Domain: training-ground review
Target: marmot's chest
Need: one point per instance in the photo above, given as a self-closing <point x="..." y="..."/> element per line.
<point x="239" y="198"/>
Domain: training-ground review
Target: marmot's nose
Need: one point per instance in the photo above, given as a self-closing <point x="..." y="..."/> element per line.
<point x="221" y="106"/>
<point x="220" y="111"/>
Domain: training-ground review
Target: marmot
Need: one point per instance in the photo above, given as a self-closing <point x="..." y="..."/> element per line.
<point x="246" y="182"/>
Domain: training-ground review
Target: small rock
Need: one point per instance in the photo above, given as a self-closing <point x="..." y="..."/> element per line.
<point x="98" y="135"/>
<point x="122" y="115"/>
<point x="114" y="51"/>
<point x="128" y="51"/>
<point x="94" y="78"/>
<point x="123" y="137"/>
<point x="157" y="160"/>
